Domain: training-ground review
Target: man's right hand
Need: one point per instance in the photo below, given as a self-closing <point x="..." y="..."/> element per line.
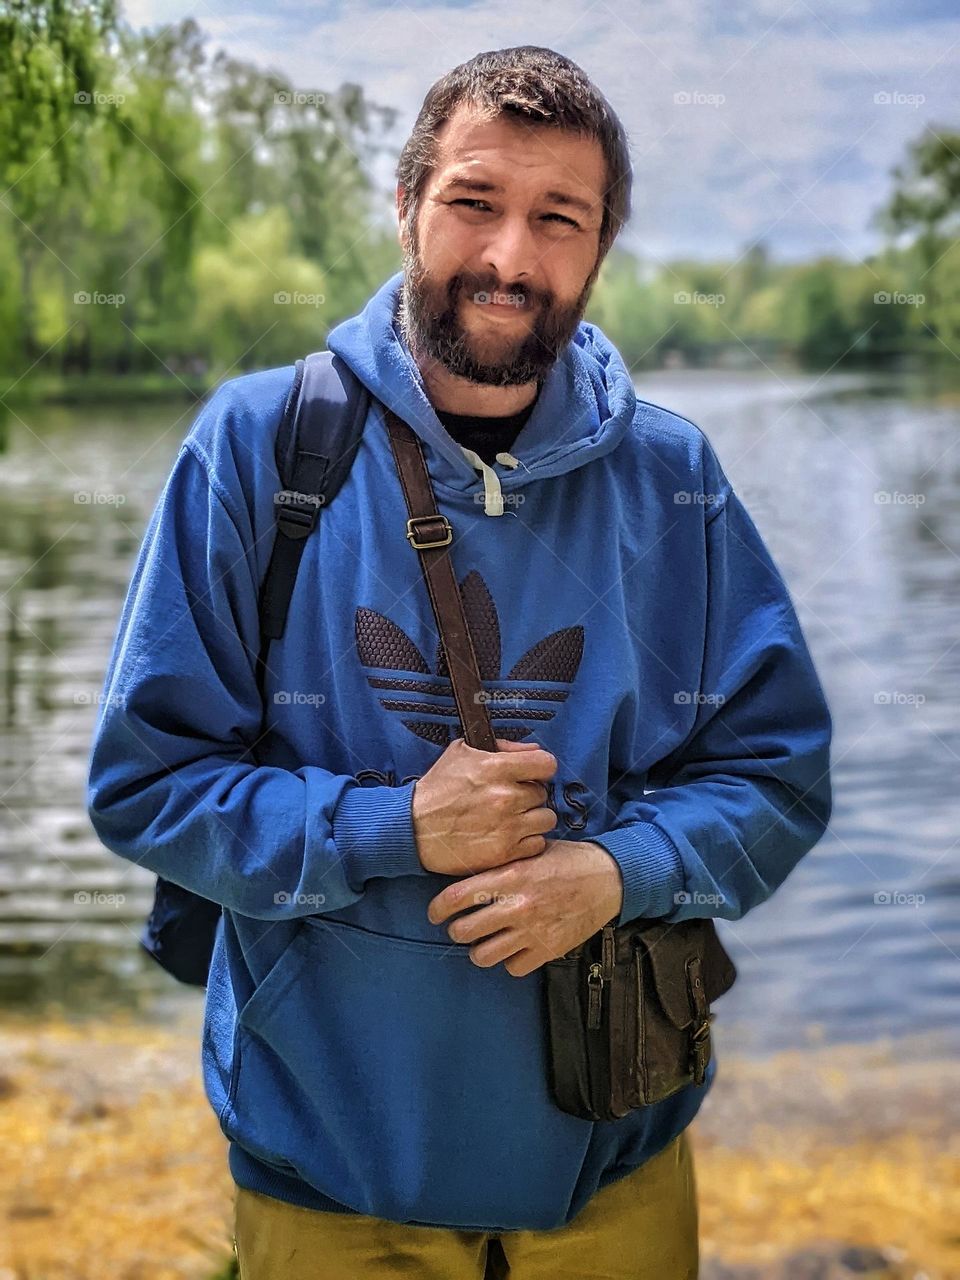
<point x="474" y="810"/>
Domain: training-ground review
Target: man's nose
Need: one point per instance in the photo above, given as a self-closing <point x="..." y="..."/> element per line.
<point x="510" y="253"/>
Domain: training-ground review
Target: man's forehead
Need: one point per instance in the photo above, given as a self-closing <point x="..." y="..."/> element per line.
<point x="476" y="147"/>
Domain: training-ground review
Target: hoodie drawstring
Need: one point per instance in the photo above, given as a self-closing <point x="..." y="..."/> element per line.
<point x="492" y="493"/>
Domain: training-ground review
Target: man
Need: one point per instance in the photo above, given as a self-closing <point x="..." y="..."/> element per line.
<point x="373" y="1042"/>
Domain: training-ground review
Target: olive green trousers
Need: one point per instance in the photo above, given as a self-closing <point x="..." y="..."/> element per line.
<point x="642" y="1227"/>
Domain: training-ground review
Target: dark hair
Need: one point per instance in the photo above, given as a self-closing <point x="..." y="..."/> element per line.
<point x="539" y="86"/>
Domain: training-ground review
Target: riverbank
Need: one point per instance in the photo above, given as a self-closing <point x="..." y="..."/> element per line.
<point x="818" y="1163"/>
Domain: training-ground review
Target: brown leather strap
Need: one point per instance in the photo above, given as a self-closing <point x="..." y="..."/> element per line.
<point x="431" y="533"/>
<point x="700" y="1028"/>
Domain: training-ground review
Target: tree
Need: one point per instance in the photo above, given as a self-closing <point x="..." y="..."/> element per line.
<point x="53" y="68"/>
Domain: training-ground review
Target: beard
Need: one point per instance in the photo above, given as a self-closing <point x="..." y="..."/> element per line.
<point x="429" y="319"/>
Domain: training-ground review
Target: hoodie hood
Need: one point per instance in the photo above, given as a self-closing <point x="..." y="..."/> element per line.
<point x="586" y="403"/>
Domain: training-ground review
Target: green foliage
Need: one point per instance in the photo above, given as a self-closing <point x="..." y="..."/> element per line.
<point x="162" y="200"/>
<point x="159" y="198"/>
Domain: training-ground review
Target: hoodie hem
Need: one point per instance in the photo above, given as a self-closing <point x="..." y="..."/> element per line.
<point x="254" y="1175"/>
<point x="265" y="1179"/>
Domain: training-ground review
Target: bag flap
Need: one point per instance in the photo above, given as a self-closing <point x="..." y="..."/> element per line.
<point x="668" y="947"/>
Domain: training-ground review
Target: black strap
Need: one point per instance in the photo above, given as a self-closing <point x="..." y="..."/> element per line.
<point x="317" y="440"/>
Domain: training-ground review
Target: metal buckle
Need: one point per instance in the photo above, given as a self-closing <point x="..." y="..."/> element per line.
<point x="425" y="545"/>
<point x="701" y="1051"/>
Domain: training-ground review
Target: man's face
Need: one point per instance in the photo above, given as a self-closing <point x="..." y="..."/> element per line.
<point x="499" y="266"/>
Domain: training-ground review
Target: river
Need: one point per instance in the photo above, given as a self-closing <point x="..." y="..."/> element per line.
<point x="854" y="482"/>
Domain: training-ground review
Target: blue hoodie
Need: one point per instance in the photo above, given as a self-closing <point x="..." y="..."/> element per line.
<point x="628" y="618"/>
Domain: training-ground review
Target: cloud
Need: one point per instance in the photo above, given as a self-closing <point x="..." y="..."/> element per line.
<point x="779" y="136"/>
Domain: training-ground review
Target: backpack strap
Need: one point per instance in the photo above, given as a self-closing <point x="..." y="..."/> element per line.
<point x="317" y="441"/>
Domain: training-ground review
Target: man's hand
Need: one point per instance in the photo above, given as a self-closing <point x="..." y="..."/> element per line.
<point x="535" y="909"/>
<point x="475" y="810"/>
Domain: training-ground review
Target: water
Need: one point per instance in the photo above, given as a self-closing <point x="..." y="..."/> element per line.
<point x="877" y="586"/>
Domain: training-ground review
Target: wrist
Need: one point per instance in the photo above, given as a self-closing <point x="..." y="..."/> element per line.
<point x="610" y="876"/>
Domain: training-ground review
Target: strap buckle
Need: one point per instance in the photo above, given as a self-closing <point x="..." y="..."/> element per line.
<point x="700" y="1051"/>
<point x="413" y="525"/>
<point x="298" y="512"/>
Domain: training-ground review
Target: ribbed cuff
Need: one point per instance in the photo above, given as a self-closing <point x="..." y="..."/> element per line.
<point x="373" y="832"/>
<point x="651" y="868"/>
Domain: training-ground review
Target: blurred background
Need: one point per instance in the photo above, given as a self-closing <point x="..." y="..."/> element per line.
<point x="194" y="190"/>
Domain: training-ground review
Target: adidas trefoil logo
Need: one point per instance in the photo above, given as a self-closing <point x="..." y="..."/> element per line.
<point x="515" y="707"/>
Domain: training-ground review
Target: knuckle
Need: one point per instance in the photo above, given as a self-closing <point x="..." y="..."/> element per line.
<point x="502" y="797"/>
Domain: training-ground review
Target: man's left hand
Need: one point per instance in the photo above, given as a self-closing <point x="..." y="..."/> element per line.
<point x="534" y="909"/>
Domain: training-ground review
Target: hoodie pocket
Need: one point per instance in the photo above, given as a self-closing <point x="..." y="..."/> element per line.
<point x="403" y="1080"/>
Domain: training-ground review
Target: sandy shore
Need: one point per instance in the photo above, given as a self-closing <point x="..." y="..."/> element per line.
<point x="820" y="1163"/>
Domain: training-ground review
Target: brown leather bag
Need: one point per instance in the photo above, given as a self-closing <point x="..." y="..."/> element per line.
<point x="627" y="1011"/>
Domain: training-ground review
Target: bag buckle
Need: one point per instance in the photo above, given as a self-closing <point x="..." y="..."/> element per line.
<point x="298" y="512"/>
<point x="701" y="1051"/>
<point x="413" y="528"/>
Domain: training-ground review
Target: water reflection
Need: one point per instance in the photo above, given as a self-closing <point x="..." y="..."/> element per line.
<point x="76" y="487"/>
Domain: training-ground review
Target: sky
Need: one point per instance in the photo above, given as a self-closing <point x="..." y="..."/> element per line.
<point x="771" y="120"/>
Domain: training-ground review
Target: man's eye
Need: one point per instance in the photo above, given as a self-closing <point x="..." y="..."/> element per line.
<point x="559" y="216"/>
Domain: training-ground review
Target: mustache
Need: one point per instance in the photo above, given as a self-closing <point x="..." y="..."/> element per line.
<point x="466" y="286"/>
